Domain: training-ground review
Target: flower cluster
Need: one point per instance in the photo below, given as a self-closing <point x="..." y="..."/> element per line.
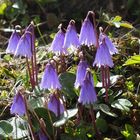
<point x="20" y="45"/>
<point x="65" y="41"/>
<point x="13" y="41"/>
<point x="23" y="44"/>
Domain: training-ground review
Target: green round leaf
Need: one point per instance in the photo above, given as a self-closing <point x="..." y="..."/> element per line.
<point x="105" y="108"/>
<point x="5" y="128"/>
<point x="19" y="128"/>
<point x="122" y="104"/>
<point x="67" y="115"/>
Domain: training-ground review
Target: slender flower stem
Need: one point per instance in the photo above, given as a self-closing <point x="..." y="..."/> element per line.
<point x="36" y="69"/>
<point x="32" y="59"/>
<point x="94" y="122"/>
<point x="95" y="30"/>
<point x="30" y="75"/>
<point x="108" y="76"/>
<point x="105" y="80"/>
<point x="80" y="111"/>
<point x="63" y="64"/>
<point x="103" y="76"/>
<point x="44" y="130"/>
<point x="51" y="123"/>
<point x="58" y="111"/>
<point x="106" y="28"/>
<point x="106" y="93"/>
<point x="29" y="121"/>
<point x="106" y="83"/>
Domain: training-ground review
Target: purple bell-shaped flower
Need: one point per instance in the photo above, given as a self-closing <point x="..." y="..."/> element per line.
<point x="103" y="60"/>
<point x="58" y="41"/>
<point x="87" y="33"/>
<point x="30" y="29"/>
<point x="13" y="41"/>
<point x="24" y="46"/>
<point x="80" y="74"/>
<point x="87" y="91"/>
<point x="18" y="105"/>
<point x="112" y="49"/>
<point x="50" y="79"/>
<point x="103" y="57"/>
<point x="71" y="40"/>
<point x="55" y="105"/>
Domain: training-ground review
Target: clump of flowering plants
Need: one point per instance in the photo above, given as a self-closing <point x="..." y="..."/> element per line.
<point x="64" y="99"/>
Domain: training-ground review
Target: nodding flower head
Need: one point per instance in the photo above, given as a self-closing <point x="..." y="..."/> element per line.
<point x="103" y="57"/>
<point x="87" y="33"/>
<point x="58" y="41"/>
<point x="87" y="91"/>
<point x="30" y="29"/>
<point x="55" y="105"/>
<point x="110" y="45"/>
<point x="18" y="105"/>
<point x="71" y="38"/>
<point x="103" y="37"/>
<point x="80" y="74"/>
<point x="13" y="41"/>
<point x="50" y="79"/>
<point x="24" y="46"/>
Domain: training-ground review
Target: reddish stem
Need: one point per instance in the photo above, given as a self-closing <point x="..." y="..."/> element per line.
<point x="34" y="57"/>
<point x="36" y="69"/>
<point x="106" y="84"/>
<point x="63" y="64"/>
<point x="106" y="28"/>
<point x="29" y="121"/>
<point x="42" y="128"/>
<point x="32" y="61"/>
<point x="95" y="30"/>
<point x="106" y="97"/>
<point x="58" y="111"/>
<point x="30" y="75"/>
<point x="103" y="76"/>
<point x="108" y="75"/>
